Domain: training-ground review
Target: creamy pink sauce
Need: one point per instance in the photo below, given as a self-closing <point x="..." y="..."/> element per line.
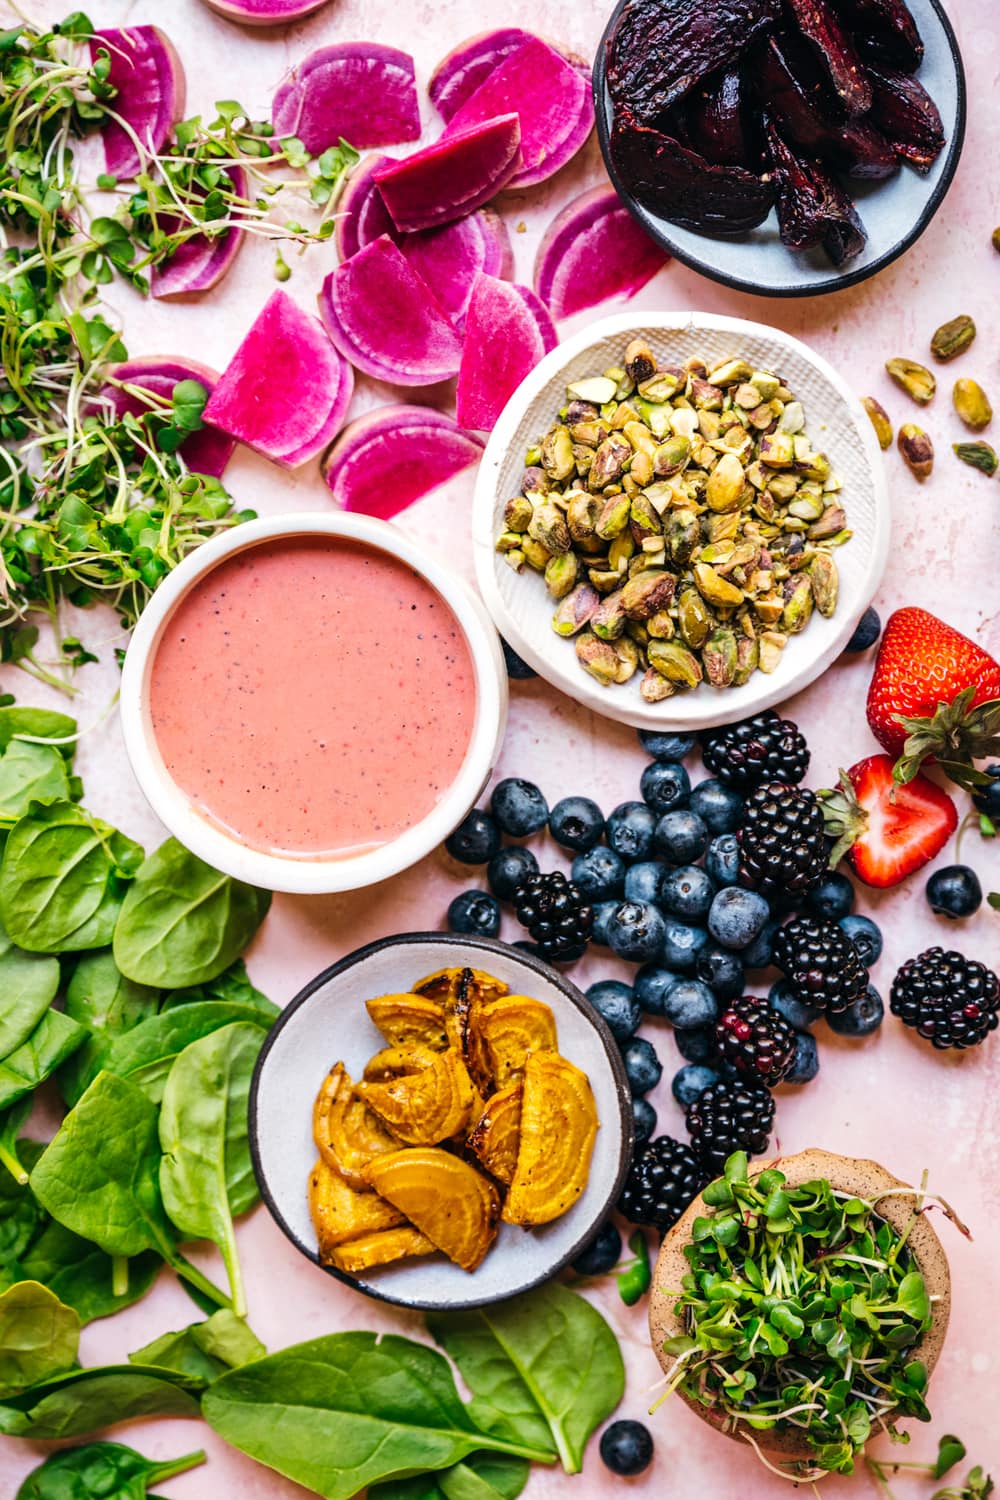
<point x="314" y="696"/>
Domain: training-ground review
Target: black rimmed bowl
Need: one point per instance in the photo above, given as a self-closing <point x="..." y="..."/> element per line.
<point x="895" y="212"/>
<point x="327" y="1022"/>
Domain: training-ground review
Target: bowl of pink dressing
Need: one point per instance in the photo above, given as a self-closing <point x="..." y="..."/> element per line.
<point x="311" y="703"/>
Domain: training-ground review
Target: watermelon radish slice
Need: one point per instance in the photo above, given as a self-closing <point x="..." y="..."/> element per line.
<point x="199" y="263"/>
<point x="450" y="258"/>
<point x="204" y="452"/>
<point x="286" y="390"/>
<point x="392" y="456"/>
<point x="507" y="331"/>
<point x="455" y="175"/>
<point x="383" y="317"/>
<point x="148" y="78"/>
<point x="361" y="92"/>
<point x="553" y="101"/>
<point x="361" y="214"/>
<point x="592" y="251"/>
<point x="458" y="75"/>
<point x="265" y="12"/>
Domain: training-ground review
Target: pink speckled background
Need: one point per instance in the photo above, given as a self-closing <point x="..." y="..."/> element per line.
<point x="891" y="1097"/>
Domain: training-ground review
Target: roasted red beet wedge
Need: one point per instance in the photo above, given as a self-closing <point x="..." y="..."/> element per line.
<point x="821" y="25"/>
<point x="813" y="209"/>
<point x="718" y="124"/>
<point x="885" y="32"/>
<point x="908" y="117"/>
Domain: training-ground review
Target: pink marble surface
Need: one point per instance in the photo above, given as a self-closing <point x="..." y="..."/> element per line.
<point x="891" y="1097"/>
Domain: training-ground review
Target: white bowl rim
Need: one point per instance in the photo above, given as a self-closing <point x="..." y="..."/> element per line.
<point x="313" y="876"/>
<point x="702" y="708"/>
<point x="479" y="945"/>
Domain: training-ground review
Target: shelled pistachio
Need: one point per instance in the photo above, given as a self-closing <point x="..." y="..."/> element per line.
<point x="915" y="379"/>
<point x="972" y="404"/>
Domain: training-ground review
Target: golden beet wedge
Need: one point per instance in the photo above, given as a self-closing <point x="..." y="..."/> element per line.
<point x="455" y="1206"/>
<point x="398" y="1062"/>
<point x="558" y="1128"/>
<point x="496" y="1137"/>
<point x="438" y="986"/>
<point x="426" y="1107"/>
<point x="512" y="1027"/>
<point x="346" y="1132"/>
<point x="340" y="1213"/>
<point x="463" y="1008"/>
<point x="403" y="1019"/>
<point x="381" y="1249"/>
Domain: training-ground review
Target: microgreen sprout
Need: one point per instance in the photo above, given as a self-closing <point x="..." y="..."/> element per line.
<point x="951" y="1450"/>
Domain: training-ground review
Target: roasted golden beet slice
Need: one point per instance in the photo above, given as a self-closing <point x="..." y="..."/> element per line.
<point x="511" y="1028"/>
<point x="345" y="1130"/>
<point x="822" y="26"/>
<point x="496" y="1136"/>
<point x="455" y="1206"/>
<point x="380" y="1250"/>
<point x="462" y="1010"/>
<point x="340" y="1213"/>
<point x="558" y="1129"/>
<point x="425" y="1107"/>
<point x="403" y="1019"/>
<point x="440" y="984"/>
<point x="398" y="1062"/>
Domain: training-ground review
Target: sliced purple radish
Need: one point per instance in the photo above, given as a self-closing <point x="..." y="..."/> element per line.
<point x="199" y="263"/>
<point x="592" y="251"/>
<point x="459" y="173"/>
<point x="392" y="456"/>
<point x="148" y="79"/>
<point x="361" y="214"/>
<point x="450" y="258"/>
<point x="458" y="75"/>
<point x="265" y="12"/>
<point x="507" y="331"/>
<point x="204" y="452"/>
<point x="360" y="92"/>
<point x="286" y="390"/>
<point x="383" y="317"/>
<point x="553" y="101"/>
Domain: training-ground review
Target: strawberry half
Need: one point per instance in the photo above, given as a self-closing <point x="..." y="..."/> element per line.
<point x="886" y="831"/>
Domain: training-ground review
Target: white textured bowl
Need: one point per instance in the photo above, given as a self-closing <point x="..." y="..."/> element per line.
<point x="327" y="1022"/>
<point x="836" y="421"/>
<point x="276" y="872"/>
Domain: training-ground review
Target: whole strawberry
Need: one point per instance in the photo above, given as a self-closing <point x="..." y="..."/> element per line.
<point x="934" y="693"/>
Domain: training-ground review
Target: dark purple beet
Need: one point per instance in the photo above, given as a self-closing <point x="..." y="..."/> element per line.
<point x="813" y="208"/>
<point x="717" y="122"/>
<point x="885" y="32"/>
<point x="908" y="117"/>
<point x="802" y="104"/>
<point x="820" y="25"/>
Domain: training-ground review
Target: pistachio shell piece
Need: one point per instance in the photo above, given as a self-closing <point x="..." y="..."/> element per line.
<point x="913" y="378"/>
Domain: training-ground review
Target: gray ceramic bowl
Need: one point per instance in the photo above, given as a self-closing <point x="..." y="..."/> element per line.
<point x="327" y="1022"/>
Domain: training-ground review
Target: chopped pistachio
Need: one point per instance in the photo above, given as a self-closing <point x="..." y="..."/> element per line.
<point x="879" y="418"/>
<point x="597" y="389"/>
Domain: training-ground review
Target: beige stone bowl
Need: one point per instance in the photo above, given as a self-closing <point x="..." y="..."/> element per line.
<point x="866" y="1179"/>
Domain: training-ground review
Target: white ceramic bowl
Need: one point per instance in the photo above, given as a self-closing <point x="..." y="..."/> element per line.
<point x="224" y="850"/>
<point x="327" y="1022"/>
<point x="520" y="604"/>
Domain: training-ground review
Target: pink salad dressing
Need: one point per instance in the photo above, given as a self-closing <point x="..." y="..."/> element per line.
<point x="314" y="696"/>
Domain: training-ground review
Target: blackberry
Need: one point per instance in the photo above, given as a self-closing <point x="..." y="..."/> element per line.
<point x="782" y="842"/>
<point x="729" y="1117"/>
<point x="662" y="1180"/>
<point x="949" y="1000"/>
<point x="764" y="748"/>
<point x="556" y="915"/>
<point x="756" y="1041"/>
<point x="821" y="963"/>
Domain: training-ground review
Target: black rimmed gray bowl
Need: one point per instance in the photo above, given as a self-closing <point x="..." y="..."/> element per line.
<point x="895" y="213"/>
<point x="327" y="1022"/>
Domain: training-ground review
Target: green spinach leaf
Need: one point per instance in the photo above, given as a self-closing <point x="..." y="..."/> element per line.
<point x="223" y="1342"/>
<point x="182" y="922"/>
<point x="100" y="1471"/>
<point x="39" y="1336"/>
<point x="28" y="985"/>
<point x="232" y="985"/>
<point x="482" y="1476"/>
<point x="11" y="1120"/>
<point x="40" y="724"/>
<point x="102" y="999"/>
<point x="82" y="1275"/>
<point x="85" y="1401"/>
<point x="31" y="773"/>
<point x="52" y="1041"/>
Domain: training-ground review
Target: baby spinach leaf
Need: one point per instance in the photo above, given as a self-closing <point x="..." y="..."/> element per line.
<point x="223" y="1342"/>
<point x="52" y="1041"/>
<point x="102" y="999"/>
<point x="41" y="724"/>
<point x="86" y="1401"/>
<point x="39" y="1336"/>
<point x="100" y="1471"/>
<point x="232" y="985"/>
<point x="485" y="1476"/>
<point x="28" y="985"/>
<point x="82" y="1275"/>
<point x="559" y="1347"/>
<point x="31" y="773"/>
<point x="182" y="922"/>
<point x="11" y="1120"/>
<point x="347" y="1410"/>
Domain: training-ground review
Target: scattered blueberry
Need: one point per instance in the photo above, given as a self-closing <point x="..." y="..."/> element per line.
<point x="697" y="1046"/>
<point x="576" y="823"/>
<point x="527" y="946"/>
<point x="642" y="881"/>
<point x="629" y="831"/>
<point x="635" y="931"/>
<point x="681" y="836"/>
<point x="651" y="985"/>
<point x="476" y="913"/>
<point x="517" y="667"/>
<point x="643" y="1121"/>
<point x="954" y="891"/>
<point x="616" y="1004"/>
<point x="602" y="1254"/>
<point x="722" y="859"/>
<point x="865" y="936"/>
<point x="599" y="874"/>
<point x="737" y="916"/>
<point x="475" y="840"/>
<point x="682" y="944"/>
<point x="806" y="1063"/>
<point x="643" y="1068"/>
<point x="519" y="807"/>
<point x="866" y="632"/>
<point x="603" y="912"/>
<point x="760" y="953"/>
<point x="665" y="746"/>
<point x="508" y="869"/>
<point x="833" y="898"/>
<point x="782" y="998"/>
<point x="690" y="1005"/>
<point x="664" y="784"/>
<point x="861" y="1018"/>
<point x="718" y="805"/>
<point x="721" y="970"/>
<point x="986" y="799"/>
<point x="626" y="1447"/>
<point x="690" y="1081"/>
<point x="688" y="893"/>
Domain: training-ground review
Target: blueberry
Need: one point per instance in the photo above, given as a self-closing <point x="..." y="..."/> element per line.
<point x="665" y="746"/>
<point x="635" y="931"/>
<point x="690" y="1005"/>
<point x="643" y="1068"/>
<point x="833" y="898"/>
<point x="508" y="868"/>
<point x="629" y="831"/>
<point x="760" y="953"/>
<point x="722" y="859"/>
<point x="986" y="799"/>
<point x="651" y="985"/>
<point x="722" y="971"/>
<point x="626" y="1447"/>
<point x="475" y="912"/>
<point x="475" y="840"/>
<point x="719" y="806"/>
<point x="603" y="912"/>
<point x="642" y="881"/>
<point x="643" y="1120"/>
<point x="698" y="1045"/>
<point x="616" y="1004"/>
<point x="602" y="1254"/>
<point x="806" y="1064"/>
<point x="576" y="823"/>
<point x="737" y="916"/>
<point x="599" y="874"/>
<point x="517" y="667"/>
<point x="865" y="936"/>
<point x="954" y="891"/>
<point x="782" y="998"/>
<point x="691" y="1081"/>
<point x="866" y="632"/>
<point x="664" y="784"/>
<point x="681" y="945"/>
<point x="681" y="836"/>
<point x="527" y="946"/>
<point x="687" y="893"/>
<point x="861" y="1018"/>
<point x="519" y="807"/>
